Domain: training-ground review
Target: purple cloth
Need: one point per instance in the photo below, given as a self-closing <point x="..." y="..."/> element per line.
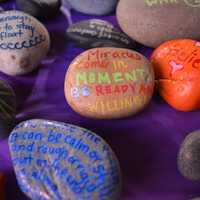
<point x="146" y="144"/>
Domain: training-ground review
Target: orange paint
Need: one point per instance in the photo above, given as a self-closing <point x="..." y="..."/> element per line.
<point x="177" y="69"/>
<point x="2" y="187"/>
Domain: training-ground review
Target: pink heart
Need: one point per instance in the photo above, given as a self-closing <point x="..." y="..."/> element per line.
<point x="175" y="66"/>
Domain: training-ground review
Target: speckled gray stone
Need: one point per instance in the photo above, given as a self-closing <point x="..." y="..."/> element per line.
<point x="93" y="7"/>
<point x="58" y="161"/>
<point x="39" y="8"/>
<point x="189" y="157"/>
<point x="98" y="33"/>
<point x="7" y="109"/>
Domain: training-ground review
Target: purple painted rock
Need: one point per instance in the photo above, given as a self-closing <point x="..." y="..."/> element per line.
<point x="24" y="42"/>
<point x="58" y="161"/>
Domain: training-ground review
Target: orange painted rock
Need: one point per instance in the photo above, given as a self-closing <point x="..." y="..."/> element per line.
<point x="2" y="189"/>
<point x="109" y="83"/>
<point x="177" y="68"/>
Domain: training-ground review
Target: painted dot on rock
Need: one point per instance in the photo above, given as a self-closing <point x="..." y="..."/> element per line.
<point x="120" y="83"/>
<point x="24" y="42"/>
<point x="177" y="67"/>
<point x="54" y="160"/>
<point x="149" y="22"/>
<point x="7" y="109"/>
<point x="189" y="157"/>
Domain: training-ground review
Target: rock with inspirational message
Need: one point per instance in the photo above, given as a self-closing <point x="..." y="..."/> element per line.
<point x="24" y="42"/>
<point x="54" y="160"/>
<point x="108" y="83"/>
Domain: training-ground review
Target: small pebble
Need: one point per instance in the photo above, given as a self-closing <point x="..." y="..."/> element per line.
<point x="152" y="22"/>
<point x="39" y="8"/>
<point x="93" y="7"/>
<point x="98" y="33"/>
<point x="7" y="109"/>
<point x="189" y="157"/>
<point x="58" y="161"/>
<point x="24" y="42"/>
<point x="108" y="83"/>
<point x="177" y="67"/>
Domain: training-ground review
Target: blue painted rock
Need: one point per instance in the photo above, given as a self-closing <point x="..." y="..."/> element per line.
<point x="152" y="22"/>
<point x="54" y="160"/>
<point x="93" y="7"/>
<point x="107" y="83"/>
<point x="39" y="8"/>
<point x="189" y="156"/>
<point x="98" y="33"/>
<point x="24" y="42"/>
<point x="7" y="109"/>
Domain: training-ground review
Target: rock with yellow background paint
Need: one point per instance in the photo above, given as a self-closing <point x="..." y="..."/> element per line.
<point x="108" y="83"/>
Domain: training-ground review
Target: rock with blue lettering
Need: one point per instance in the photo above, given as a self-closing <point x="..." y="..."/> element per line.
<point x="39" y="8"/>
<point x="98" y="33"/>
<point x="24" y="42"/>
<point x="7" y="109"/>
<point x="107" y="83"/>
<point x="152" y="22"/>
<point x="58" y="161"/>
<point x="93" y="7"/>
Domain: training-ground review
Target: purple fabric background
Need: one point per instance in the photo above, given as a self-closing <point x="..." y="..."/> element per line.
<point x="146" y="144"/>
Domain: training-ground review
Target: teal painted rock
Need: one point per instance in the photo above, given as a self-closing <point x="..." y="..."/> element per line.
<point x="93" y="7"/>
<point x="7" y="109"/>
<point x="58" y="161"/>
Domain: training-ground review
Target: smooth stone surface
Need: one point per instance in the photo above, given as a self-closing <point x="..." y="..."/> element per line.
<point x="24" y="42"/>
<point x="189" y="157"/>
<point x="58" y="161"/>
<point x="93" y="7"/>
<point x="98" y="33"/>
<point x="39" y="8"/>
<point x="177" y="67"/>
<point x="152" y="22"/>
<point x="7" y="109"/>
<point x="109" y="83"/>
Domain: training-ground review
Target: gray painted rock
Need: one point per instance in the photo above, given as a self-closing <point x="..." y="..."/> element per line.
<point x="59" y="161"/>
<point x="7" y="109"/>
<point x="189" y="157"/>
<point x="24" y="42"/>
<point x="98" y="33"/>
<point x="39" y="8"/>
<point x="93" y="7"/>
<point x="152" y="22"/>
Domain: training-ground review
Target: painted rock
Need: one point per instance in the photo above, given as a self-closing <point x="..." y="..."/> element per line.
<point x="98" y="33"/>
<point x="39" y="8"/>
<point x="109" y="83"/>
<point x="2" y="187"/>
<point x="189" y="157"/>
<point x="7" y="109"/>
<point x="149" y="21"/>
<point x="54" y="160"/>
<point x="93" y="7"/>
<point x="177" y="69"/>
<point x="24" y="42"/>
